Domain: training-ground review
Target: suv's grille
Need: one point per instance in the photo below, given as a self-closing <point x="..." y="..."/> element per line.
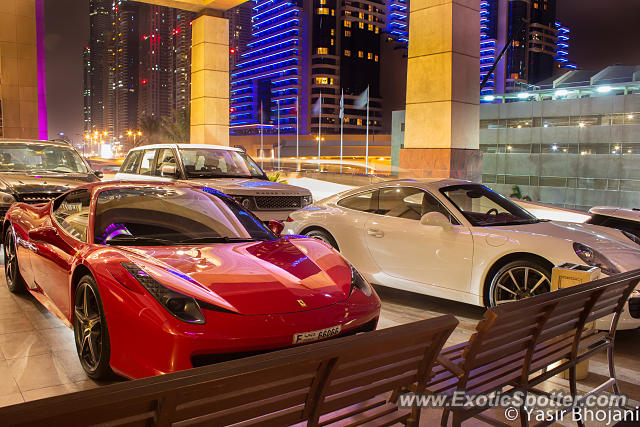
<point x="278" y="202"/>
<point x="37" y="197"/>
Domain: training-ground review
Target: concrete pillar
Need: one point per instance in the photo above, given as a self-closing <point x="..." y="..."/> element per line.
<point x="443" y="91"/>
<point x="210" y="80"/>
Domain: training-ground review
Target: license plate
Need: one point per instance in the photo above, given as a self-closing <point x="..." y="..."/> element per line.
<point x="316" y="335"/>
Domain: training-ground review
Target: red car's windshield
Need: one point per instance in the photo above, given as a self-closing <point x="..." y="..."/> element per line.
<point x="172" y="215"/>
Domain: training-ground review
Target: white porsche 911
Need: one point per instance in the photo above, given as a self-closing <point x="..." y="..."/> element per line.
<point x="458" y="240"/>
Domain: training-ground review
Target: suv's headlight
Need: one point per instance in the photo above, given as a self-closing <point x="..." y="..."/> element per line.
<point x="181" y="306"/>
<point x="244" y="201"/>
<point x="357" y="281"/>
<point x="307" y="200"/>
<point x="594" y="258"/>
<point x="6" y="199"/>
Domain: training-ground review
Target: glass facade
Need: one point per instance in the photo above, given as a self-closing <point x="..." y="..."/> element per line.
<point x="574" y="153"/>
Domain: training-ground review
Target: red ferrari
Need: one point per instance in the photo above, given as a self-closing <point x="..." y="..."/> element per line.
<point x="155" y="278"/>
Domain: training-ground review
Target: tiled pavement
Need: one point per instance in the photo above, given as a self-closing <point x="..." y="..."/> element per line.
<point x="38" y="357"/>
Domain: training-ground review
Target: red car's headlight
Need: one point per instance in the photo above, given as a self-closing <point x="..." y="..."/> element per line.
<point x="181" y="306"/>
<point x="357" y="281"/>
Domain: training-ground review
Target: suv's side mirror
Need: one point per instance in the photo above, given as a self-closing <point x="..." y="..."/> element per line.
<point x="276" y="227"/>
<point x="168" y="170"/>
<point x="436" y="219"/>
<point x="99" y="174"/>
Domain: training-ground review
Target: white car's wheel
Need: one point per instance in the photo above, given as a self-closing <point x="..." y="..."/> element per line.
<point x="323" y="236"/>
<point x="519" y="280"/>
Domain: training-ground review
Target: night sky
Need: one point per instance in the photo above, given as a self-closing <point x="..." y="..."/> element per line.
<point x="603" y="32"/>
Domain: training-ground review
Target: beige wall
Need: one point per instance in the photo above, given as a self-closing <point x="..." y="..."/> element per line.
<point x="18" y="69"/>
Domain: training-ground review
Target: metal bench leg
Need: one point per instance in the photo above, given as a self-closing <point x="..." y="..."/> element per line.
<point x="445" y="417"/>
<point x="612" y="370"/>
<point x="573" y="387"/>
<point x="524" y="419"/>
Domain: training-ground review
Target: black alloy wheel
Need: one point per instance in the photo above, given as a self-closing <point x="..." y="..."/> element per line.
<point x="90" y="330"/>
<point x="15" y="283"/>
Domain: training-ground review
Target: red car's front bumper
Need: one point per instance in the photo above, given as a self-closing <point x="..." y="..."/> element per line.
<point x="146" y="340"/>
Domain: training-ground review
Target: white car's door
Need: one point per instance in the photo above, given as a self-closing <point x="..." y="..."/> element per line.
<point x="403" y="248"/>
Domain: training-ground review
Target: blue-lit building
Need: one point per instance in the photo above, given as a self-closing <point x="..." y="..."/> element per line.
<point x="398" y="20"/>
<point x="300" y="49"/>
<point x="562" y="50"/>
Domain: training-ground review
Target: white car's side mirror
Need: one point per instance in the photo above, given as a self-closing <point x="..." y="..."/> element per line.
<point x="436" y="219"/>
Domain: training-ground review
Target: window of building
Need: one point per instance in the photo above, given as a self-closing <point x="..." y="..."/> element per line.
<point x="360" y="54"/>
<point x="347" y="33"/>
<point x="333" y="32"/>
<point x="347" y="52"/>
<point x="369" y="55"/>
<point x="377" y="30"/>
<point x="376" y="58"/>
<point x="347" y="24"/>
<point x="361" y="25"/>
<point x="323" y="2"/>
<point x="359" y="122"/>
<point x="370" y="27"/>
<point x="322" y="11"/>
<point x="333" y="12"/>
<point x="332" y="42"/>
<point x="361" y="15"/>
<point x="323" y="50"/>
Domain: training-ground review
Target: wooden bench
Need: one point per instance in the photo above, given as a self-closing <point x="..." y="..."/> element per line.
<point x="515" y="344"/>
<point x="345" y="381"/>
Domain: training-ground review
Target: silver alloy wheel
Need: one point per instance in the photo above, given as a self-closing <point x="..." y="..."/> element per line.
<point x="10" y="259"/>
<point x="323" y="236"/>
<point x="518" y="282"/>
<point x="88" y="326"/>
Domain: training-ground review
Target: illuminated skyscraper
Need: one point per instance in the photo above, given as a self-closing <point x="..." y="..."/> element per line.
<point x="299" y="50"/>
<point x="86" y="88"/>
<point x="562" y="50"/>
<point x="99" y="57"/>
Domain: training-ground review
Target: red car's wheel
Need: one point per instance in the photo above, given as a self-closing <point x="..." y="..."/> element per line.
<point x="90" y="330"/>
<point x="15" y="283"/>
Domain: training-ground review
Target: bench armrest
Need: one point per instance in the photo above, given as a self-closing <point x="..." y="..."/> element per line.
<point x="451" y="366"/>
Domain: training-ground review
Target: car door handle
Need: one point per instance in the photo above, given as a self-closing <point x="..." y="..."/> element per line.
<point x="374" y="232"/>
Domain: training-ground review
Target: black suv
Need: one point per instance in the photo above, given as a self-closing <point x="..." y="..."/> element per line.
<point x="38" y="171"/>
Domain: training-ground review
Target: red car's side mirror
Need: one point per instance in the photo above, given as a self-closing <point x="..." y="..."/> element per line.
<point x="276" y="227"/>
<point x="43" y="234"/>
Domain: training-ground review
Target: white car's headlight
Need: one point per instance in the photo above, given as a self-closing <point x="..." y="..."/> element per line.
<point x="594" y="258"/>
<point x="6" y="199"/>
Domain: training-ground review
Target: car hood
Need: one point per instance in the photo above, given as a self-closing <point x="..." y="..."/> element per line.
<point x="18" y="183"/>
<point x="271" y="277"/>
<point x="250" y="186"/>
<point x="610" y="242"/>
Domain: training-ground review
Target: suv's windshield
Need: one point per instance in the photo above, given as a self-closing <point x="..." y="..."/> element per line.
<point x="151" y="216"/>
<point x="484" y="207"/>
<point x="40" y="158"/>
<point x="216" y="163"/>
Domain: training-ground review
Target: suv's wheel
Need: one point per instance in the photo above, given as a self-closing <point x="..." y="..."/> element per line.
<point x="322" y="236"/>
<point x="519" y="280"/>
<point x="90" y="330"/>
<point x="15" y="283"/>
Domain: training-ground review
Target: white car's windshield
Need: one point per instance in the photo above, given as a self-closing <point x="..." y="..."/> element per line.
<point x="40" y="158"/>
<point x="484" y="207"/>
<point x="218" y="163"/>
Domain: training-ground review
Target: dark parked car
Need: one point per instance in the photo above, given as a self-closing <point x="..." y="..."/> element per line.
<point x="38" y="171"/>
